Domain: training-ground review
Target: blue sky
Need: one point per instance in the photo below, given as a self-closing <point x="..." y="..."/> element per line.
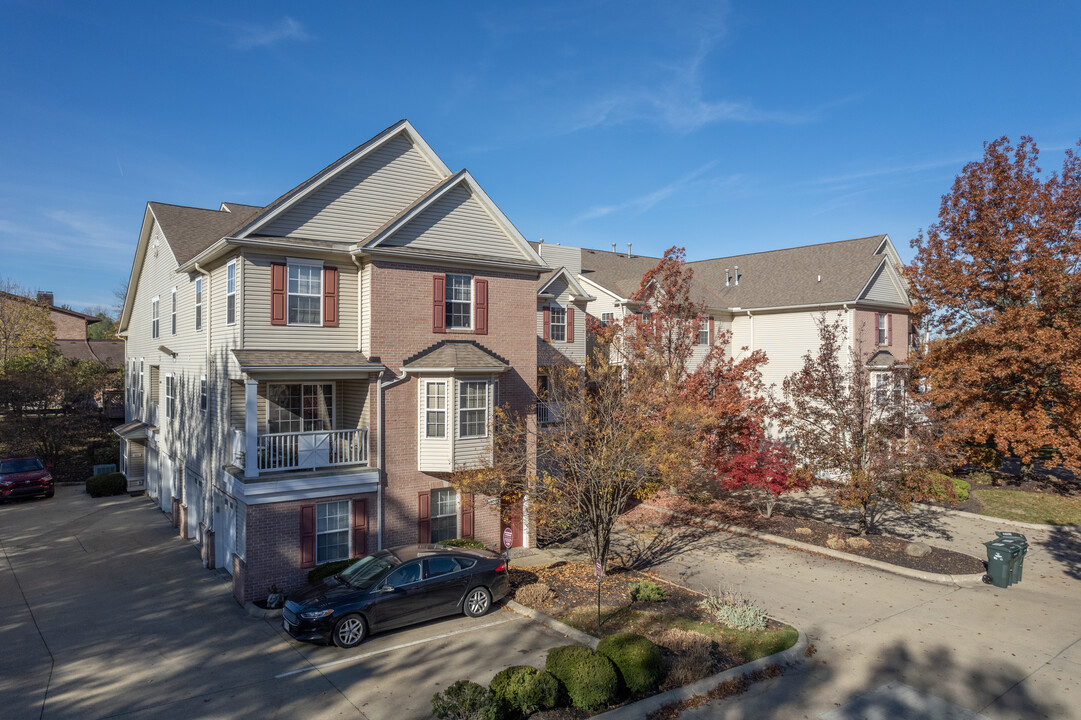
<point x="725" y="128"/>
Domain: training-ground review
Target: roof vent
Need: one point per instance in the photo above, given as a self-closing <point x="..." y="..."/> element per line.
<point x="613" y="247"/>
<point x="737" y="274"/>
<point x="541" y="241"/>
<point x="628" y="249"/>
<point x="727" y="277"/>
<point x="819" y="278"/>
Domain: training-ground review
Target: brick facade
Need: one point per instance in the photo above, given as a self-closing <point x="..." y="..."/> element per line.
<point x="68" y="327"/>
<point x="866" y="330"/>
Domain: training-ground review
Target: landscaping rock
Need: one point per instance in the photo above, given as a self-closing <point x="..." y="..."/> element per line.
<point x="858" y="542"/>
<point x="917" y="549"/>
<point x="803" y="531"/>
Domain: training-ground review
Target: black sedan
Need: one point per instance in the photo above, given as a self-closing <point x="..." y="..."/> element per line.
<point x="396" y="587"/>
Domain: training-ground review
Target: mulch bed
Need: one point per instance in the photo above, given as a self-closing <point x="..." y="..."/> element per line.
<point x="880" y="547"/>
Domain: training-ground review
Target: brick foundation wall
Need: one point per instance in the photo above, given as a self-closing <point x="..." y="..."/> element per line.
<point x="272" y="555"/>
<point x="182" y="515"/>
<point x="401" y="326"/>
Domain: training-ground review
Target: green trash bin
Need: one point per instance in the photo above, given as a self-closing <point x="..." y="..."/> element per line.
<point x="1017" y="539"/>
<point x="1001" y="558"/>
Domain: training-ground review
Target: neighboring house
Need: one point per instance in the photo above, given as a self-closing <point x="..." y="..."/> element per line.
<point x="770" y="301"/>
<point x="303" y="376"/>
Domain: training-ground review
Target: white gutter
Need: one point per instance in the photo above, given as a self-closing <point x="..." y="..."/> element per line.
<point x="207" y="315"/>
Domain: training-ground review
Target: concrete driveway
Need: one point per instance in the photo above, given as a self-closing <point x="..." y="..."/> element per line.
<point x="104" y="612"/>
<point x="891" y="647"/>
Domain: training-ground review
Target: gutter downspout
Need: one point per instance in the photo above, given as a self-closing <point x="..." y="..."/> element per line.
<point x="380" y="388"/>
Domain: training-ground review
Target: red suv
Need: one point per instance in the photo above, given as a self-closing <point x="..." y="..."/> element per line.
<point x="24" y="477"/>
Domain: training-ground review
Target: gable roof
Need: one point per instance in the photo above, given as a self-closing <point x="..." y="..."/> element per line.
<point x="826" y="273"/>
<point x="90" y="319"/>
<point x="576" y="289"/>
<point x="190" y="230"/>
<point x="456" y="356"/>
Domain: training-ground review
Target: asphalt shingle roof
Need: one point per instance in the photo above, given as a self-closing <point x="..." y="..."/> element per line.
<point x="459" y="354"/>
<point x="190" y="230"/>
<point x="302" y="358"/>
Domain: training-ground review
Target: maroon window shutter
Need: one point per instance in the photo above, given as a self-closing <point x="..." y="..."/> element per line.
<point x="424" y="517"/>
<point x="439" y="303"/>
<point x="570" y="324"/>
<point x="307" y="535"/>
<point x="277" y="293"/>
<point x="889" y="329"/>
<point x="330" y="297"/>
<point x="546" y="324"/>
<point x="711" y="340"/>
<point x="360" y="528"/>
<point x="481" y="324"/>
<point x="467" y="515"/>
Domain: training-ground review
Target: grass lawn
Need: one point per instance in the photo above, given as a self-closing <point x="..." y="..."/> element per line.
<point x="747" y="645"/>
<point x="1030" y="506"/>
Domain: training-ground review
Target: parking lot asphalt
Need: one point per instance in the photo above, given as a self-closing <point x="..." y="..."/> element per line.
<point x="105" y="612"/>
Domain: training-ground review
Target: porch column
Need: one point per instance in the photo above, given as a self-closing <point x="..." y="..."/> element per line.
<point x="251" y="428"/>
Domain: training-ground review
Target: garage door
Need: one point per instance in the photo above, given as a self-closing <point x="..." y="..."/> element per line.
<point x="224" y="531"/>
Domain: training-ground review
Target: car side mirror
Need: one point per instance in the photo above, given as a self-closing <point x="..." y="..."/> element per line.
<point x="386" y="589"/>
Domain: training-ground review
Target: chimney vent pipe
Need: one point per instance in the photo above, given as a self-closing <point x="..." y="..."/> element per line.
<point x="737" y="274"/>
<point x="628" y="249"/>
<point x="727" y="277"/>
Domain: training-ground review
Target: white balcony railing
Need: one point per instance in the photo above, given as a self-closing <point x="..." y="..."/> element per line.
<point x="312" y="450"/>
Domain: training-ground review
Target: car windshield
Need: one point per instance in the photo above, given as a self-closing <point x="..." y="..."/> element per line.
<point x="366" y="572"/>
<point x="20" y="466"/>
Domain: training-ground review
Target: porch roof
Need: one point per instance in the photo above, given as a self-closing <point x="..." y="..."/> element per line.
<point x="321" y="361"/>
<point x="456" y="356"/>
<point x="135" y="430"/>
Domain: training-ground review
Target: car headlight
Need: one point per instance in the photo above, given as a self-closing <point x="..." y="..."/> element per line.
<point x="48" y="478"/>
<point x="5" y="483"/>
<point x="316" y="614"/>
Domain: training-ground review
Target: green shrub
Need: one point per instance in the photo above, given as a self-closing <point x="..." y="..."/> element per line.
<point x="465" y="700"/>
<point x="525" y="689"/>
<point x="734" y="610"/>
<point x="327" y="569"/>
<point x="638" y="660"/>
<point x="981" y="478"/>
<point x="464" y="543"/>
<point x="647" y="591"/>
<point x="113" y="483"/>
<point x="590" y="679"/>
<point x="960" y="489"/>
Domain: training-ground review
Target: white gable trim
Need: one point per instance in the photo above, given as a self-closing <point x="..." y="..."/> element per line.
<point x="149" y="221"/>
<point x="577" y="291"/>
<point x="887" y="247"/>
<point x="403" y="127"/>
<point x="462" y="177"/>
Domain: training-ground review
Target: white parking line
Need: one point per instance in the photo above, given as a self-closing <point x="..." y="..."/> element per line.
<point x="354" y="658"/>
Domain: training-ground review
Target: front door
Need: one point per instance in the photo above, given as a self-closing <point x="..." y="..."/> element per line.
<point x="510" y="516"/>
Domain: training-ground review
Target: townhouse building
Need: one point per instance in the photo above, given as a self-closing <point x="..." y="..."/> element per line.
<point x="303" y="376"/>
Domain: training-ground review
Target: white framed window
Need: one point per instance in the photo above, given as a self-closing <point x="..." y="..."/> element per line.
<point x="703" y="331"/>
<point x="459" y="301"/>
<point x="882" y="387"/>
<point x="332" y="531"/>
<point x="170" y="395"/>
<point x="154" y="318"/>
<point x="557" y="323"/>
<point x="230" y="293"/>
<point x="305" y="292"/>
<point x="882" y="327"/>
<point x="444" y="519"/>
<point x="606" y="318"/>
<point x="172" y="314"/>
<point x="473" y="408"/>
<point x="300" y="407"/>
<point x="198" y="303"/>
<point x="202" y="393"/>
<point x="435" y="409"/>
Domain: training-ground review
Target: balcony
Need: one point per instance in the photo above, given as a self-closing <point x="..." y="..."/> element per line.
<point x="312" y="450"/>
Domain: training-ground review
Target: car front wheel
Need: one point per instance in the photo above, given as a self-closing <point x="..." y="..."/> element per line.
<point x="477" y="602"/>
<point x="349" y="631"/>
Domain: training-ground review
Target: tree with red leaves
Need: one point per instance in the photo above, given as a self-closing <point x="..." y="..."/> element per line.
<point x="997" y="282"/>
<point x="764" y="469"/>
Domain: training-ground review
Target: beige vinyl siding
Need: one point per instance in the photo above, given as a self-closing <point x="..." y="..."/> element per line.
<point x="605" y="303"/>
<point x="365" y="299"/>
<point x="352" y="398"/>
<point x="434" y="454"/>
<point x="557" y="256"/>
<point x="884" y="290"/>
<point x="574" y="351"/>
<point x="785" y="338"/>
<point x="260" y="334"/>
<point x="236" y="404"/>
<point x="136" y="465"/>
<point x="472" y="451"/>
<point x="360" y="199"/>
<point x="699" y="352"/>
<point x="457" y="222"/>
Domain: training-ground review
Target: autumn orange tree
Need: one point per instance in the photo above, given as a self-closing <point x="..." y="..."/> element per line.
<point x="869" y="435"/>
<point x="634" y="419"/>
<point x="997" y="281"/>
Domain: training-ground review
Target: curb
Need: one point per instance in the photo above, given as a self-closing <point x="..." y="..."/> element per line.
<point x="942" y="579"/>
<point x="547" y="620"/>
<point x="645" y="706"/>
<point x="1005" y="521"/>
<point x="262" y="613"/>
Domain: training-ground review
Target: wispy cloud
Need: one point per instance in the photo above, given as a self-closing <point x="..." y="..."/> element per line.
<point x="897" y="169"/>
<point x="643" y="203"/>
<point x="253" y="35"/>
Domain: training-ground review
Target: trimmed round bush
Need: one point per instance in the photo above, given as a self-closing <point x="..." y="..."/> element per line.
<point x="465" y="700"/>
<point x="113" y="483"/>
<point x="525" y="689"/>
<point x="590" y="679"/>
<point x="638" y="660"/>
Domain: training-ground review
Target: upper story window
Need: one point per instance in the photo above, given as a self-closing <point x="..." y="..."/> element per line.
<point x="459" y="301"/>
<point x="142" y="377"/>
<point x="198" y="303"/>
<point x="703" y="331"/>
<point x="202" y="393"/>
<point x="473" y="408"/>
<point x="883" y="328"/>
<point x="435" y="410"/>
<point x="300" y="407"/>
<point x="230" y="292"/>
<point x="170" y="396"/>
<point x="606" y="318"/>
<point x="154" y="318"/>
<point x="172" y="314"/>
<point x="305" y="290"/>
<point x="557" y="323"/>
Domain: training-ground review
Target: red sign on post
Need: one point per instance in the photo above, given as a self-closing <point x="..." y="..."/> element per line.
<point x="508" y="538"/>
<point x="600" y="571"/>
